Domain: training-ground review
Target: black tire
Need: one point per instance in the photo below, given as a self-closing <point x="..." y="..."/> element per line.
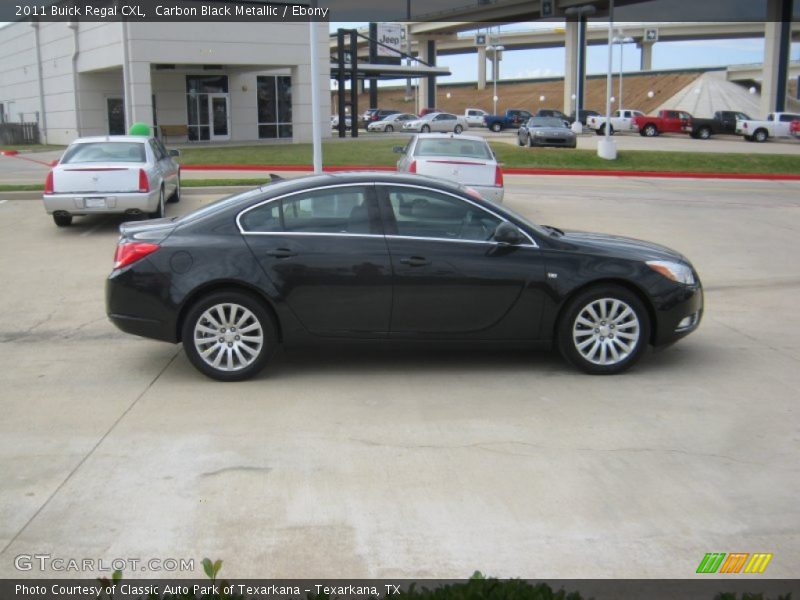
<point x="496" y="127"/>
<point x="176" y="195"/>
<point x="241" y="371"/>
<point x="748" y="138"/>
<point x="650" y="130"/>
<point x="704" y="133"/>
<point x="519" y="141"/>
<point x="62" y="220"/>
<point x="571" y="332"/>
<point x="160" y="210"/>
<point x="425" y="129"/>
<point x="458" y="129"/>
<point x="389" y="129"/>
<point x="530" y="141"/>
<point x="760" y="136"/>
<point x="599" y="131"/>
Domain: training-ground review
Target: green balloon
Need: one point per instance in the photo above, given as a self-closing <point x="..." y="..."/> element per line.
<point x="139" y="129"/>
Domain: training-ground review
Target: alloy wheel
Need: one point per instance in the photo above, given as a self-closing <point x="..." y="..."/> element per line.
<point x="606" y="331"/>
<point x="228" y="337"/>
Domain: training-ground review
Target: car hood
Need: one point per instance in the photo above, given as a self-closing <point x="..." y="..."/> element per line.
<point x="414" y="123"/>
<point x="552" y="131"/>
<point x="621" y="247"/>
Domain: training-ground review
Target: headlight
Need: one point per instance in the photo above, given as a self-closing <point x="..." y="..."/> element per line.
<point x="539" y="133"/>
<point x="672" y="270"/>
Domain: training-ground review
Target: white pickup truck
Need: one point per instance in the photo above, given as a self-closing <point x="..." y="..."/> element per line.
<point x="621" y="120"/>
<point x="474" y="116"/>
<point x="776" y="125"/>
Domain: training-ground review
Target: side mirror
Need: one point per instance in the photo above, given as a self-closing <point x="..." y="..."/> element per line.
<point x="174" y="152"/>
<point x="507" y="233"/>
<point x="398" y="149"/>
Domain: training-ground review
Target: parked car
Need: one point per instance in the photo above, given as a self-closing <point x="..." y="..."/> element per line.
<point x="546" y="131"/>
<point x="348" y="121"/>
<point x="475" y="116"/>
<point x="126" y="174"/>
<point x="391" y="123"/>
<point x="583" y="115"/>
<point x="389" y="257"/>
<point x="552" y="112"/>
<point x="376" y="114"/>
<point x="466" y="159"/>
<point x="621" y="120"/>
<point x="723" y="121"/>
<point x="794" y="128"/>
<point x="512" y="118"/>
<point x="443" y="122"/>
<point x="666" y="121"/>
<point x="776" y="125"/>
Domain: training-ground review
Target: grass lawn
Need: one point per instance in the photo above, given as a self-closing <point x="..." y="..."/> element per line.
<point x="379" y="153"/>
<point x="32" y="147"/>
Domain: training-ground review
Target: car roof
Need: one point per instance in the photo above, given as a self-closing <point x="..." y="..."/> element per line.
<point x="112" y="138"/>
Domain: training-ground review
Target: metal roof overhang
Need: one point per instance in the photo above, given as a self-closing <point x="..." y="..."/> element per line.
<point x="380" y="71"/>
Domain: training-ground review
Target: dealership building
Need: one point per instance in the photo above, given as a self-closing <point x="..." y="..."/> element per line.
<point x="193" y="81"/>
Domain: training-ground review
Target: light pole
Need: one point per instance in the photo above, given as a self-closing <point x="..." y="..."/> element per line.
<point x="606" y="148"/>
<point x="621" y="40"/>
<point x="494" y="50"/>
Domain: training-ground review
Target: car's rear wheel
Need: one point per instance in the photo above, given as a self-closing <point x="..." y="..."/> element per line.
<point x="604" y="330"/>
<point x="760" y="136"/>
<point x="389" y="129"/>
<point x="62" y="219"/>
<point x="176" y="195"/>
<point x="704" y="133"/>
<point x="650" y="130"/>
<point x="458" y="129"/>
<point x="496" y="127"/>
<point x="160" y="210"/>
<point x="229" y="336"/>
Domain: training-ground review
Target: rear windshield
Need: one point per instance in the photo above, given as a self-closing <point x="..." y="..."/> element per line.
<point x="103" y="152"/>
<point x="453" y="147"/>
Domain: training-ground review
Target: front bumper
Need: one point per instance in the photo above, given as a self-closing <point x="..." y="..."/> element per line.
<point x="679" y="314"/>
<point x="105" y="202"/>
<point x="543" y="140"/>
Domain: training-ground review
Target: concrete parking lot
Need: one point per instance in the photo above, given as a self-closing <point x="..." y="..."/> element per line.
<point x="420" y="463"/>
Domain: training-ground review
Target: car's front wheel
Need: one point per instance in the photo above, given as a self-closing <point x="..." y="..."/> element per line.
<point x="604" y="330"/>
<point x="389" y="129"/>
<point x="229" y="336"/>
<point x="458" y="129"/>
<point x="425" y="129"/>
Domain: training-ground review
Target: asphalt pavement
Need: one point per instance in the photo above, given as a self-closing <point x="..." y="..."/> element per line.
<point x="381" y="462"/>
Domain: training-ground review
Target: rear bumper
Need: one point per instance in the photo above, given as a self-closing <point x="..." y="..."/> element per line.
<point x="75" y="204"/>
<point x="139" y="302"/>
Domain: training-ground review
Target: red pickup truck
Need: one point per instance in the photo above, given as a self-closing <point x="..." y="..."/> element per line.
<point x="667" y="121"/>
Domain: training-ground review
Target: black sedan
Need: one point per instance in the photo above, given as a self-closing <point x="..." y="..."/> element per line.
<point x="546" y="131"/>
<point x="390" y="257"/>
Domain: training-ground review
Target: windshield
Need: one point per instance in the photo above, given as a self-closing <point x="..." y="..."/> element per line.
<point x="105" y="152"/>
<point x="546" y="122"/>
<point x="453" y="147"/>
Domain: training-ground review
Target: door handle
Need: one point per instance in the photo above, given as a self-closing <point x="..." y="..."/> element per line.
<point x="281" y="253"/>
<point x="415" y="261"/>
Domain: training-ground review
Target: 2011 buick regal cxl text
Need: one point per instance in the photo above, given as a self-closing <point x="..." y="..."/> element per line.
<point x="373" y="256"/>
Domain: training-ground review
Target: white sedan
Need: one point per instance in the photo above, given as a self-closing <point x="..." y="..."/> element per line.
<point x="437" y="121"/>
<point x="126" y="174"/>
<point x="466" y="159"/>
<point x="391" y="123"/>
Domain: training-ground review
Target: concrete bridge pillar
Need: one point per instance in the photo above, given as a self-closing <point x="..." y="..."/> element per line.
<point x="427" y="85"/>
<point x="777" y="40"/>
<point x="646" y="63"/>
<point x="481" y="67"/>
<point x="574" y="64"/>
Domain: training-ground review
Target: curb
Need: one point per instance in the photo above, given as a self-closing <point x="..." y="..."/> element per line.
<point x="515" y="171"/>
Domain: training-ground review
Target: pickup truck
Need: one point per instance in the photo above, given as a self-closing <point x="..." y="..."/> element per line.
<point x="776" y="125"/>
<point x="621" y="120"/>
<point x="794" y="129"/>
<point x="475" y="116"/>
<point x="513" y="117"/>
<point x="666" y="121"/>
<point x="723" y="121"/>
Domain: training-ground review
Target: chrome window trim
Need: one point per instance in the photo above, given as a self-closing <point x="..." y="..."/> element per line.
<point x="289" y="194"/>
<point x="533" y="243"/>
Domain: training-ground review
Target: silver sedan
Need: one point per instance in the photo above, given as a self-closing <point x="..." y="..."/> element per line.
<point x="391" y="123"/>
<point x="437" y="121"/>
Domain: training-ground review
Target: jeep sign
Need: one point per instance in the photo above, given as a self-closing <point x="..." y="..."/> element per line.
<point x="391" y="35"/>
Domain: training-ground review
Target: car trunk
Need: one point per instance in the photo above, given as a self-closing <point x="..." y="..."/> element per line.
<point x="79" y="178"/>
<point x="468" y="171"/>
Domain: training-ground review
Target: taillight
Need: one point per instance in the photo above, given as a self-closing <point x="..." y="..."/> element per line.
<point x="498" y="176"/>
<point x="144" y="183"/>
<point x="130" y="252"/>
<point x="48" y="183"/>
<point x="412" y="168"/>
<point x="744" y="124"/>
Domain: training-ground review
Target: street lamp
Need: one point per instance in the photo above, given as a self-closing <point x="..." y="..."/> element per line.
<point x="494" y="50"/>
<point x="621" y="40"/>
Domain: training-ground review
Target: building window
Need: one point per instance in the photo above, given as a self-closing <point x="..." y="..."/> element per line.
<point x="274" y="106"/>
<point x="198" y="87"/>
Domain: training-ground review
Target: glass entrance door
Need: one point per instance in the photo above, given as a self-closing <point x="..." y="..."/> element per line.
<point x="115" y="109"/>
<point x="218" y="116"/>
